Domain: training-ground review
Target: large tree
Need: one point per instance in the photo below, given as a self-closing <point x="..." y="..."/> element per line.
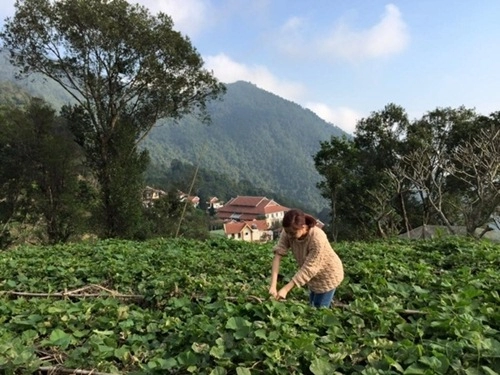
<point x="40" y="170"/>
<point x="430" y="146"/>
<point x="117" y="61"/>
<point x="476" y="164"/>
<point x="379" y="141"/>
<point x="337" y="162"/>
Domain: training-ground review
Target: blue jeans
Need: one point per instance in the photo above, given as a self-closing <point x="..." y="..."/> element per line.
<point x="321" y="299"/>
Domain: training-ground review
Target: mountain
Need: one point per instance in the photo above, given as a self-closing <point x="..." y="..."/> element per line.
<point x="35" y="85"/>
<point x="255" y="137"/>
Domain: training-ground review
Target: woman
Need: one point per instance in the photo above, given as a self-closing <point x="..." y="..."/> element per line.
<point x="320" y="267"/>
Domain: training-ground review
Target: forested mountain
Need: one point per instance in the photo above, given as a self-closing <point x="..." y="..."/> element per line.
<point x="255" y="138"/>
<point x="34" y="86"/>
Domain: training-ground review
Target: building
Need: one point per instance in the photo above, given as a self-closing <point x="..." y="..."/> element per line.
<point x="249" y="208"/>
<point x="149" y="195"/>
<point x="193" y="199"/>
<point x="250" y="231"/>
<point x="214" y="203"/>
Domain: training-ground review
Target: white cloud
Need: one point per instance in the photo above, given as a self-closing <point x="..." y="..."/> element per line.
<point x="291" y="37"/>
<point x="343" y="117"/>
<point x="293" y="24"/>
<point x="388" y="37"/>
<point x="190" y="16"/>
<point x="228" y="71"/>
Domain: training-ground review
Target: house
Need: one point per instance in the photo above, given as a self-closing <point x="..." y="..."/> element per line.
<point x="149" y="195"/>
<point x="193" y="199"/>
<point x="250" y="231"/>
<point x="214" y="203"/>
<point x="248" y="208"/>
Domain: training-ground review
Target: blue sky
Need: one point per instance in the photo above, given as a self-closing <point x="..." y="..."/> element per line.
<point x="344" y="59"/>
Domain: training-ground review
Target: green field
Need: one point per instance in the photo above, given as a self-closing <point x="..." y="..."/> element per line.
<point x="182" y="307"/>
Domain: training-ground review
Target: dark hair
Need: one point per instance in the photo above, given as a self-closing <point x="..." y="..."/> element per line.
<point x="296" y="218"/>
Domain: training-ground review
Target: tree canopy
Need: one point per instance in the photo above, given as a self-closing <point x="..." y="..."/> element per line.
<point x="125" y="69"/>
<point x="398" y="174"/>
<point x="112" y="57"/>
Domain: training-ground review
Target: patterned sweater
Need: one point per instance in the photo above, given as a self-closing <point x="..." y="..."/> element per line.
<point x="320" y="267"/>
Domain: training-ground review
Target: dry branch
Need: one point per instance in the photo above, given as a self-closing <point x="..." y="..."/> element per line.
<point x="77" y="293"/>
<point x="70" y="295"/>
<point x="54" y="370"/>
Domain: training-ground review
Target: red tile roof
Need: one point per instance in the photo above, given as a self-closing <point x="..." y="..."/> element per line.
<point x="249" y="207"/>
<point x="237" y="227"/>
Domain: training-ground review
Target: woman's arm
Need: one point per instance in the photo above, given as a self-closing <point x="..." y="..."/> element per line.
<point x="275" y="268"/>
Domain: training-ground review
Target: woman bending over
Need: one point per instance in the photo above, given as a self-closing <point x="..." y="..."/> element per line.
<point x="320" y="268"/>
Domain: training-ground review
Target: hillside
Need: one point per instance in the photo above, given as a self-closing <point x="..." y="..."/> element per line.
<point x="35" y="85"/>
<point x="255" y="137"/>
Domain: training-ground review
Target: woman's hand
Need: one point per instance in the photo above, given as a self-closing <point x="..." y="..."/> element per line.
<point x="273" y="291"/>
<point x="284" y="291"/>
<point x="281" y="294"/>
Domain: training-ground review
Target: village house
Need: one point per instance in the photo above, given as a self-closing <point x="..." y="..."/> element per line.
<point x="149" y="195"/>
<point x="214" y="203"/>
<point x="193" y="199"/>
<point x="248" y="208"/>
<point x="250" y="231"/>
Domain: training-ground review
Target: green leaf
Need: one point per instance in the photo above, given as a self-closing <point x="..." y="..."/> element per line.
<point x="432" y="362"/>
<point x="236" y="322"/>
<point x="200" y="347"/>
<point x="472" y="371"/>
<point x="240" y="326"/>
<point x="164" y="364"/>
<point x="394" y="364"/>
<point x="489" y="371"/>
<point x="217" y="352"/>
<point x="320" y="366"/>
<point x="121" y="353"/>
<point x="60" y="338"/>
<point x="243" y="371"/>
<point x="11" y="283"/>
<point x="218" y="371"/>
<point x="415" y="369"/>
<point x="261" y="333"/>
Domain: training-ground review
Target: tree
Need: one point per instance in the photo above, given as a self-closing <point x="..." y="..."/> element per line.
<point x="424" y="169"/>
<point x="12" y="178"/>
<point x="170" y="217"/>
<point x="430" y="151"/>
<point x="41" y="165"/>
<point x="429" y="145"/>
<point x="477" y="165"/>
<point x="120" y="173"/>
<point x="117" y="61"/>
<point x="379" y="139"/>
<point x="337" y="162"/>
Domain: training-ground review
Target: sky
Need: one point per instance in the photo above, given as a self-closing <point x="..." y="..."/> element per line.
<point x="344" y="59"/>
